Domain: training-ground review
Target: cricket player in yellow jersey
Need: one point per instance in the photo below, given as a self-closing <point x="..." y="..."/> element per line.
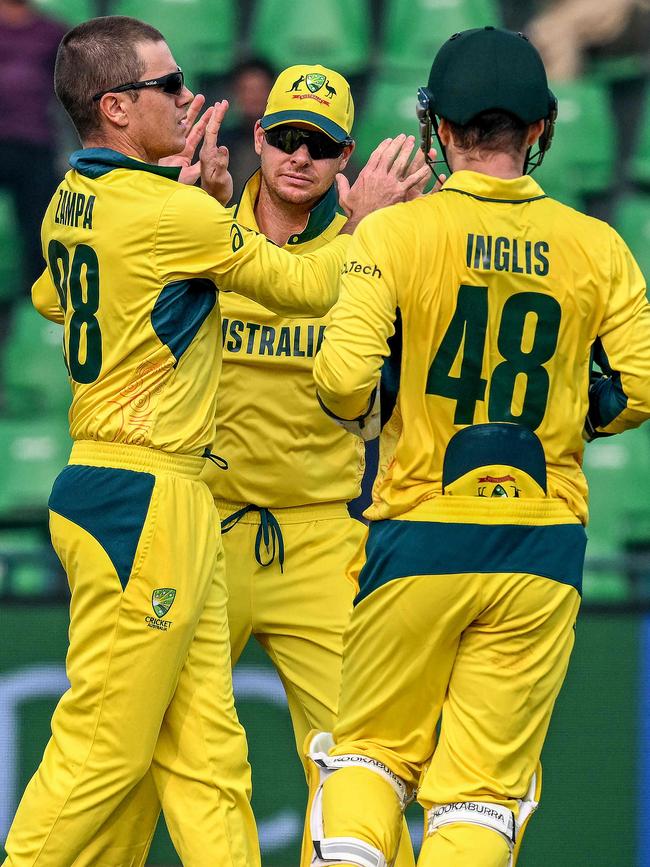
<point x="288" y="535"/>
<point x="494" y="299"/>
<point x="135" y="261"/>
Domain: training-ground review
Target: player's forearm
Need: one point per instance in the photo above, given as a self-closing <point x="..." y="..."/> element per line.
<point x="305" y="286"/>
<point x="296" y="286"/>
<point x="344" y="381"/>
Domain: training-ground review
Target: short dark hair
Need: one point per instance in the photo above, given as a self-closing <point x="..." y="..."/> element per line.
<point x="491" y="131"/>
<point x="94" y="56"/>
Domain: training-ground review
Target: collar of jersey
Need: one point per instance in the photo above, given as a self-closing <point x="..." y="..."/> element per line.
<point x="490" y="189"/>
<point x="95" y="162"/>
<point x="320" y="216"/>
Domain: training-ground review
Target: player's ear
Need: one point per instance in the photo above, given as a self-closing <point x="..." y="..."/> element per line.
<point x="258" y="137"/>
<point x="114" y="107"/>
<point x="348" y="150"/>
<point x="444" y="132"/>
<point x="534" y="132"/>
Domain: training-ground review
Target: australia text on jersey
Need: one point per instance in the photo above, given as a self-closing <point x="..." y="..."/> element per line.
<point x="299" y="341"/>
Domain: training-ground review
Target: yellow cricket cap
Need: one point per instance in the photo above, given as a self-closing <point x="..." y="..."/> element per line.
<point x="314" y="95"/>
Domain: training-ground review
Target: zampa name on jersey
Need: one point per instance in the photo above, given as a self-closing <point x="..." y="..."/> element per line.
<point x="299" y="341"/>
<point x="74" y="209"/>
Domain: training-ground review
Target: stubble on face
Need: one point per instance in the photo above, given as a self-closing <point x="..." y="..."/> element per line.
<point x="296" y="179"/>
<point x="161" y="116"/>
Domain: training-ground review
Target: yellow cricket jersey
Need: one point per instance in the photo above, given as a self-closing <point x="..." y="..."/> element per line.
<point x="282" y="450"/>
<point x="135" y="261"/>
<point x="484" y="303"/>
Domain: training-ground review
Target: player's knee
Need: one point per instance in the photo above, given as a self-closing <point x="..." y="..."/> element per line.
<point x="337" y="834"/>
<point x="464" y="817"/>
<point x="135" y="766"/>
<point x="465" y="845"/>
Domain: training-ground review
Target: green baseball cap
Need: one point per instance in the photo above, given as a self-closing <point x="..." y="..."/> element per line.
<point x="487" y="69"/>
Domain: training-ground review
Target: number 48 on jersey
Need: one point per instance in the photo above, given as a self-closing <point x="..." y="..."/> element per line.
<point x="468" y="328"/>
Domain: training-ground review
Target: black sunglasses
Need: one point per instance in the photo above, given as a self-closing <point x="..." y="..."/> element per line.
<point x="319" y="145"/>
<point x="172" y="83"/>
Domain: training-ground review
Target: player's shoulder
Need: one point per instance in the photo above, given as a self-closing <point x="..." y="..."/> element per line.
<point x="194" y="205"/>
<point x="398" y="216"/>
<point x="566" y="214"/>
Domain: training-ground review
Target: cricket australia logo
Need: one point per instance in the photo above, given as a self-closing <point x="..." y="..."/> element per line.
<point x="162" y="600"/>
<point x="498" y="486"/>
<point x="314" y="81"/>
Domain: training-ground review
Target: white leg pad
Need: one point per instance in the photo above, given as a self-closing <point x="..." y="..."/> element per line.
<point x="494" y="816"/>
<point x="326" y="764"/>
<point x="333" y="850"/>
<point x="348" y="850"/>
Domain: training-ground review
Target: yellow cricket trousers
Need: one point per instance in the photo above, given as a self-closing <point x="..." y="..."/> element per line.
<point x="297" y="606"/>
<point x="149" y="671"/>
<point x="485" y="652"/>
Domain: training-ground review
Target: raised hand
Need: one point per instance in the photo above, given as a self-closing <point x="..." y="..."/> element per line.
<point x="414" y="168"/>
<point x="389" y="176"/>
<point x="215" y="177"/>
<point x="195" y="130"/>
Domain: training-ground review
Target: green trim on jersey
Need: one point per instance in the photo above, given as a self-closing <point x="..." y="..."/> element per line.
<point x="320" y="216"/>
<point x="96" y="162"/>
<point x="488" y="199"/>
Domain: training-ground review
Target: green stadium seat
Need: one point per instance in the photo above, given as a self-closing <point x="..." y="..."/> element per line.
<point x="69" y="11"/>
<point x="334" y="33"/>
<point x="414" y="30"/>
<point x="202" y="34"/>
<point x="632" y="221"/>
<point x="389" y="109"/>
<point x="581" y="157"/>
<point x="618" y="471"/>
<point x="34" y="377"/>
<point x="33" y="452"/>
<point x="640" y="163"/>
<point x="10" y="246"/>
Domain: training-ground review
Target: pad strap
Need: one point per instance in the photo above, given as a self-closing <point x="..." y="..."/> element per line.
<point x="336" y="850"/>
<point x="494" y="816"/>
<point x="329" y="763"/>
<point x="349" y="849"/>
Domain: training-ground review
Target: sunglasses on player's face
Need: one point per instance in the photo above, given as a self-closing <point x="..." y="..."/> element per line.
<point x="319" y="145"/>
<point x="172" y="83"/>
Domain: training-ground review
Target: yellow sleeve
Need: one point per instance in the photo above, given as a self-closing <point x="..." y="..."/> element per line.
<point x="621" y="399"/>
<point x="198" y="236"/>
<point x="349" y="363"/>
<point x="46" y="299"/>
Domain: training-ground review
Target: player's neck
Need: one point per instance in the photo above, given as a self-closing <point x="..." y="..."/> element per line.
<point x="277" y="219"/>
<point x="119" y="143"/>
<point x="499" y="165"/>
